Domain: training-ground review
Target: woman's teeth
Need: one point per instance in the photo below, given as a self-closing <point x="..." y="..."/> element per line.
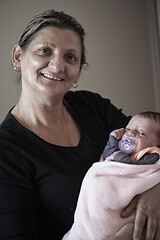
<point x="51" y="77"/>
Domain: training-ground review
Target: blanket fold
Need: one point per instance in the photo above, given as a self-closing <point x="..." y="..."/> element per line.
<point x="107" y="189"/>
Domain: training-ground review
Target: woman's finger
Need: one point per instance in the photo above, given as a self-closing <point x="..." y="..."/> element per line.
<point x="127" y="211"/>
<point x="151" y="228"/>
<point x="140" y="221"/>
<point x="157" y="234"/>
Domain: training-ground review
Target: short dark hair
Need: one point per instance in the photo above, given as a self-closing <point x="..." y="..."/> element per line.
<point x="55" y="19"/>
<point x="151" y="115"/>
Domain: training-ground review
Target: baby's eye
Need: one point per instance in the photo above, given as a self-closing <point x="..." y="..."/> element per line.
<point x="127" y="129"/>
<point x="141" y="133"/>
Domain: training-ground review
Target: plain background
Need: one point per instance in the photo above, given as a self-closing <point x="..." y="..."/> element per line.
<point x="120" y="42"/>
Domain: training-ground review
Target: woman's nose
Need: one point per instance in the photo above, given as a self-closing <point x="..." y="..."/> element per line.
<point x="57" y="64"/>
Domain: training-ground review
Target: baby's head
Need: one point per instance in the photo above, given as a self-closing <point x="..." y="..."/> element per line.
<point x="145" y="128"/>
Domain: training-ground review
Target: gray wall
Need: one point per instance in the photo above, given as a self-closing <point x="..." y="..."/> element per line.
<point x="118" y="49"/>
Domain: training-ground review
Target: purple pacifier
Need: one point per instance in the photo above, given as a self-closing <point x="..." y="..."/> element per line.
<point x="127" y="144"/>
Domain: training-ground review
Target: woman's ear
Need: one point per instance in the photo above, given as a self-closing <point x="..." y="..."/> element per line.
<point x="16" y="57"/>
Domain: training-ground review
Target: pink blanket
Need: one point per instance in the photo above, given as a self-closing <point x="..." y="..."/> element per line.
<point x="107" y="188"/>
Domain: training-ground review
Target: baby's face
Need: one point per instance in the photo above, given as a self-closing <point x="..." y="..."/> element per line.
<point x="144" y="130"/>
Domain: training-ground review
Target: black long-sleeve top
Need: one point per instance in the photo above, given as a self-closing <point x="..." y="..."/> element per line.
<point x="39" y="181"/>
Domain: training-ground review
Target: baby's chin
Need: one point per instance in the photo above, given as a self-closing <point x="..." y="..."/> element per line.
<point x="136" y="150"/>
<point x="133" y="152"/>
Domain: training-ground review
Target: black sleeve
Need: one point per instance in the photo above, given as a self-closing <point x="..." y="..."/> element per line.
<point x="111" y="147"/>
<point x="101" y="107"/>
<point x="123" y="158"/>
<point x="113" y="117"/>
<point x="17" y="215"/>
<point x="148" y="158"/>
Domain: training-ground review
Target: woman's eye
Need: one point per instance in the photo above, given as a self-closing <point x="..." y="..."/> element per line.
<point x="44" y="51"/>
<point x="71" y="58"/>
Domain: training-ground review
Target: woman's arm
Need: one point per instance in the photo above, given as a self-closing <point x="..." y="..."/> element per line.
<point x="147" y="214"/>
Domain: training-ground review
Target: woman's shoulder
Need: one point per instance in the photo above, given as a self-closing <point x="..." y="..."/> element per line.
<point x="85" y="97"/>
<point x="10" y="129"/>
<point x="86" y="102"/>
<point x="7" y="122"/>
<point x="83" y="93"/>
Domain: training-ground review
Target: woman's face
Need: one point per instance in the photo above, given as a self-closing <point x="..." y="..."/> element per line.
<point x="51" y="63"/>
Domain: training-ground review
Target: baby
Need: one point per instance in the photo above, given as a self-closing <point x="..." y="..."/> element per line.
<point x="142" y="135"/>
<point x="109" y="186"/>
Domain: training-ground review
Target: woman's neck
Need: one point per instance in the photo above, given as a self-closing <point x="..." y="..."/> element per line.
<point x="34" y="112"/>
<point x="53" y="123"/>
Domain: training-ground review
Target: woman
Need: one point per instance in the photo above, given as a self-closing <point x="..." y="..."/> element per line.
<point x="52" y="136"/>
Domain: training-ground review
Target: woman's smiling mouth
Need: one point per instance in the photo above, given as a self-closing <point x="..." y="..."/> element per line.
<point x="51" y="77"/>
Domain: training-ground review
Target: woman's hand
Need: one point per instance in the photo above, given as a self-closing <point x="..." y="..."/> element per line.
<point x="147" y="214"/>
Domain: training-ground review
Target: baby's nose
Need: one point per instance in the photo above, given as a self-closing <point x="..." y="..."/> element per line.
<point x="131" y="133"/>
